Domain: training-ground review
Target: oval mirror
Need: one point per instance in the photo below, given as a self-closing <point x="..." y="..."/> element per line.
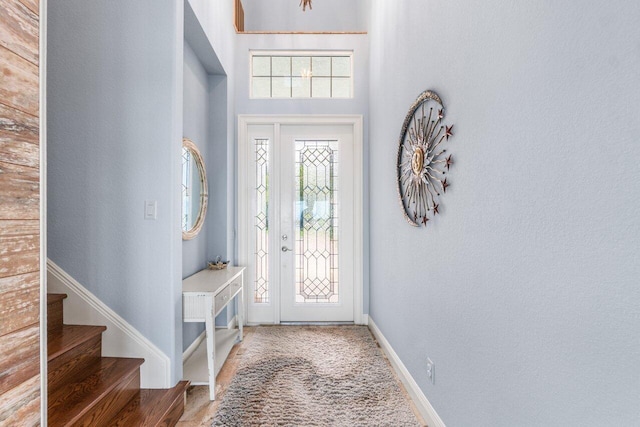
<point x="195" y="192"/>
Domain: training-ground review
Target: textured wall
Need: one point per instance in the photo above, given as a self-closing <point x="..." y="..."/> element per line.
<point x="114" y="135"/>
<point x="524" y="292"/>
<point x="287" y="15"/>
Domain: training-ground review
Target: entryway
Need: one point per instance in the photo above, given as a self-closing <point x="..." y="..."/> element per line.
<point x="300" y="217"/>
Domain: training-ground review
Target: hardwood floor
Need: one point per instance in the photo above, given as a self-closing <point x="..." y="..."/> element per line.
<point x="199" y="410"/>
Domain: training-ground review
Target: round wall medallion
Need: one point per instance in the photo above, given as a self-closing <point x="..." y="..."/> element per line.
<point x="422" y="161"/>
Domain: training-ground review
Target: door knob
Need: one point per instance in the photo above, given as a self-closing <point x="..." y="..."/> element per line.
<point x="286" y="249"/>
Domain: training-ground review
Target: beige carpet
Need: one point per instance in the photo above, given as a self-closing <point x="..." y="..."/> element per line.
<point x="314" y="376"/>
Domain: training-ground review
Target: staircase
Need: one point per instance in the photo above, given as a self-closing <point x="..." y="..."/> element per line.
<point x="85" y="389"/>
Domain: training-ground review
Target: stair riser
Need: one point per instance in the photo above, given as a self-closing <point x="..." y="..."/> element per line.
<point x="74" y="364"/>
<point x="105" y="409"/>
<point x="54" y="317"/>
<point x="172" y="417"/>
<point x="152" y="408"/>
<point x="85" y="389"/>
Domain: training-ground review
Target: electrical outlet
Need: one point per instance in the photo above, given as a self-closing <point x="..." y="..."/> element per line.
<point x="431" y="371"/>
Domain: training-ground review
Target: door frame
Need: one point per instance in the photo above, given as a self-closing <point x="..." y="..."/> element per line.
<point x="244" y="217"/>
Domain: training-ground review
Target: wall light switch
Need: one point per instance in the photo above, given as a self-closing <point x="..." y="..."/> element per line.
<point x="150" y="209"/>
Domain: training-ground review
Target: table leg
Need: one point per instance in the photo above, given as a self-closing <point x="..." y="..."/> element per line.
<point x="211" y="346"/>
<point x="241" y="307"/>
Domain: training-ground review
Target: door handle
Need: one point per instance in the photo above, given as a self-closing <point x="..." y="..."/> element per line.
<point x="286" y="249"/>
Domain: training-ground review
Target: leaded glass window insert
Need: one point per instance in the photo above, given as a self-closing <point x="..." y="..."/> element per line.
<point x="316" y="221"/>
<point x="261" y="222"/>
<point x="304" y="75"/>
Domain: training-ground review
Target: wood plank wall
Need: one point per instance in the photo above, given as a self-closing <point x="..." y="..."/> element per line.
<point x="19" y="214"/>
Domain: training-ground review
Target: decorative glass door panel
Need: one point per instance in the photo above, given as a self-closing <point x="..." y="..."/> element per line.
<point x="316" y="222"/>
<point x="261" y="221"/>
<point x="297" y="222"/>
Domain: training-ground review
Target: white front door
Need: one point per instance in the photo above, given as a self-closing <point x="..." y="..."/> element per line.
<point x="300" y="228"/>
<point x="316" y="223"/>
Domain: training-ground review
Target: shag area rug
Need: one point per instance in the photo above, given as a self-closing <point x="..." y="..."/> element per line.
<point x="314" y="376"/>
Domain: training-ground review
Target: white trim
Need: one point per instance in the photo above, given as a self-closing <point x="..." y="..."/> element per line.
<point x="42" y="16"/>
<point x="233" y="323"/>
<point x="424" y="406"/>
<point x="243" y="221"/>
<point x="194" y="345"/>
<point x="365" y="319"/>
<point x="120" y="339"/>
<point x="358" y="224"/>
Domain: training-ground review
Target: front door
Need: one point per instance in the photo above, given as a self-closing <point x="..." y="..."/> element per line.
<point x="316" y="224"/>
<point x="302" y="227"/>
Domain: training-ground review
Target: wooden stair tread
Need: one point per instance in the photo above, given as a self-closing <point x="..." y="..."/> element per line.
<point x="53" y="298"/>
<point x="152" y="407"/>
<point x="70" y="337"/>
<point x="75" y="399"/>
<point x="87" y="390"/>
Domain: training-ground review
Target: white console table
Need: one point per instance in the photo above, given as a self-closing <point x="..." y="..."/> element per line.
<point x="204" y="296"/>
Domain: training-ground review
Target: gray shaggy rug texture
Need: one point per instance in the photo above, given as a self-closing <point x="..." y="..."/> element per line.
<point x="314" y="376"/>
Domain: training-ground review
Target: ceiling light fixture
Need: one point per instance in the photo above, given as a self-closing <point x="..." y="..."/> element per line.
<point x="304" y="4"/>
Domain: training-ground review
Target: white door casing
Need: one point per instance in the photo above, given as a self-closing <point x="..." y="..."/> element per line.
<point x="262" y="140"/>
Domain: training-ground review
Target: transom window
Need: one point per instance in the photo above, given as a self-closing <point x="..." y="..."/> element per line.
<point x="301" y="75"/>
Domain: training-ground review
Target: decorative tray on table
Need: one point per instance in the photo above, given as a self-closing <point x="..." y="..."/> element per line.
<point x="218" y="265"/>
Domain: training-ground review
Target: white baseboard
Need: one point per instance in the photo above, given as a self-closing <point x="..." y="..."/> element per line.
<point x="232" y="323"/>
<point x="120" y="339"/>
<point x="424" y="406"/>
<point x="365" y="319"/>
<point x="194" y="345"/>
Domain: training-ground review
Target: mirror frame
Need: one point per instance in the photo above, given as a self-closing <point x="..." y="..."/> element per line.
<point x="204" y="193"/>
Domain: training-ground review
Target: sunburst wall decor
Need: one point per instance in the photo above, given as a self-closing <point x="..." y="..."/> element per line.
<point x="422" y="161"/>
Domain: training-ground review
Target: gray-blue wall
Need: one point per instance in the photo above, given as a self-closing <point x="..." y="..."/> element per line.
<point x="524" y="292"/>
<point x="205" y="104"/>
<point x="115" y="106"/>
<point x="196" y="114"/>
<point x="114" y="136"/>
<point x="287" y="15"/>
<point x="196" y="128"/>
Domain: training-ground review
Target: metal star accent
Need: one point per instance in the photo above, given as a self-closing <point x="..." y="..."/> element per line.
<point x="422" y="163"/>
<point x="448" y="161"/>
<point x="448" y="132"/>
